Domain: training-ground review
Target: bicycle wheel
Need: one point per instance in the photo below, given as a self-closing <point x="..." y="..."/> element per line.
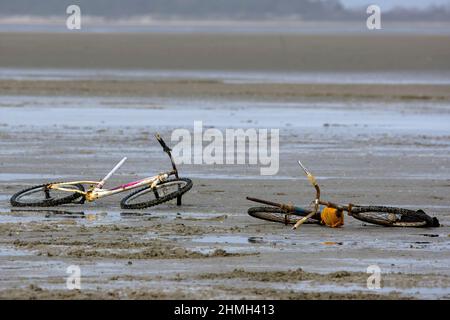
<point x="163" y="192"/>
<point x="277" y="215"/>
<point x="42" y="196"/>
<point x="393" y="217"/>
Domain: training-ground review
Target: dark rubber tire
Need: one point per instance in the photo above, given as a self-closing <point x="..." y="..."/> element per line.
<point x="146" y="204"/>
<point x="398" y="217"/>
<point x="274" y="214"/>
<point x="15" y="199"/>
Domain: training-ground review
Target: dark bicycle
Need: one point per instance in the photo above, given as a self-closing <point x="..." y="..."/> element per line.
<point x="332" y="214"/>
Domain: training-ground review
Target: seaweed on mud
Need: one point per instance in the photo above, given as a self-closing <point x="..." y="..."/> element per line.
<point x="158" y="252"/>
<point x="266" y="293"/>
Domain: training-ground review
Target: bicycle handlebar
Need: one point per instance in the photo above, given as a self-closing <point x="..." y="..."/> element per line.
<point x="162" y="143"/>
<point x="313" y="181"/>
<point x="168" y="151"/>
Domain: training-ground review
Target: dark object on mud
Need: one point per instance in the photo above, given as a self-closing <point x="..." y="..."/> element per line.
<point x="65" y="214"/>
<point x="256" y="240"/>
<point x="50" y="212"/>
<point x="331" y="243"/>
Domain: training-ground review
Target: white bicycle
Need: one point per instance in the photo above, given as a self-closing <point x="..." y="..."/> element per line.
<point x="152" y="190"/>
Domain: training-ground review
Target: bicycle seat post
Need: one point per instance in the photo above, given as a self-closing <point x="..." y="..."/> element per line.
<point x="102" y="183"/>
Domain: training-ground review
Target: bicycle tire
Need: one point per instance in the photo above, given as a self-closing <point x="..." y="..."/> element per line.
<point x="274" y="214"/>
<point x="15" y="199"/>
<point x="396" y="217"/>
<point x="124" y="204"/>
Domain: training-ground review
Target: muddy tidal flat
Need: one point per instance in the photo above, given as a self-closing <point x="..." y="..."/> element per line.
<point x="370" y="136"/>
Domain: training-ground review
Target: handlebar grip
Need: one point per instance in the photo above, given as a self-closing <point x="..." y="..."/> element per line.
<point x="162" y="143"/>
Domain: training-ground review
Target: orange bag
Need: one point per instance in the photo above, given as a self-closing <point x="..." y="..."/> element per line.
<point x="332" y="218"/>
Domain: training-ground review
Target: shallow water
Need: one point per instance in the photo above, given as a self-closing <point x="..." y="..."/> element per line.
<point x="237" y="77"/>
<point x="365" y="118"/>
<point x="425" y="293"/>
<point x="27" y="176"/>
<point x="97" y="216"/>
<point x="12" y="252"/>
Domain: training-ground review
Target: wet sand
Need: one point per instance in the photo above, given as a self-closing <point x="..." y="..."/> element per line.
<point x="384" y="144"/>
<point x="218" y="90"/>
<point x="210" y="247"/>
<point x="221" y="51"/>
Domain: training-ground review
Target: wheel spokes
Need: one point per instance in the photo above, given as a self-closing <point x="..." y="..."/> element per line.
<point x="44" y="194"/>
<point x="156" y="193"/>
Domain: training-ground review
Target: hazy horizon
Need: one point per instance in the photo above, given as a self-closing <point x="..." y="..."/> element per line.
<point x="306" y="10"/>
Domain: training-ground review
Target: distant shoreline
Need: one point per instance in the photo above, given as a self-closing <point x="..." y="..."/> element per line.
<point x="147" y="24"/>
<point x="371" y="52"/>
<point x="346" y="63"/>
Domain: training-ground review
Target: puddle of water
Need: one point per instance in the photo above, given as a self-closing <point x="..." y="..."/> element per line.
<point x="308" y="243"/>
<point x="377" y="118"/>
<point x="9" y="217"/>
<point x="172" y="213"/>
<point x="32" y="215"/>
<point x="252" y="240"/>
<point x="5" y="252"/>
<point x="199" y="215"/>
<point x="28" y="176"/>
<point x="222" y="239"/>
<point x="396" y="264"/>
<point x="423" y="292"/>
<point x="86" y="217"/>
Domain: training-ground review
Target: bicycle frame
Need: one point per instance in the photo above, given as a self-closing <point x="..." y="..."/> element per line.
<point x="96" y="190"/>
<point x="317" y="213"/>
<point x="289" y="208"/>
<point x="317" y="202"/>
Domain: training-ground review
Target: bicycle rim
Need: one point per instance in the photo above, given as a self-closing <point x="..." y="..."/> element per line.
<point x="393" y="217"/>
<point x="163" y="192"/>
<point x="42" y="196"/>
<point x="277" y="215"/>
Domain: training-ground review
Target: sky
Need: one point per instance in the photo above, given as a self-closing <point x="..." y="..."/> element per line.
<point x="223" y="8"/>
<point x="388" y="4"/>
